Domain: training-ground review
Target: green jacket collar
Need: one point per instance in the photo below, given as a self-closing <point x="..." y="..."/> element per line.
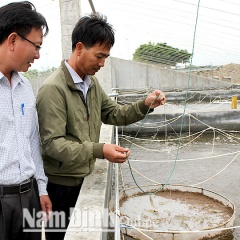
<point x="69" y="79"/>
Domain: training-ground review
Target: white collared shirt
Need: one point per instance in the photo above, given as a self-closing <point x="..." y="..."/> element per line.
<point x="20" y="156"/>
<point x="81" y="84"/>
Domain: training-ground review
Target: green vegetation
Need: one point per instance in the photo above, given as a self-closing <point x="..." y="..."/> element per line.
<point x="32" y="74"/>
<point x="160" y="53"/>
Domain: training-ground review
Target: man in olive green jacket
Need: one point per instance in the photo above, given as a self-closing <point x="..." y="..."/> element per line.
<point x="71" y="107"/>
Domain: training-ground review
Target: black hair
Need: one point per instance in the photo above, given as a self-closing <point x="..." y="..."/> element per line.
<point x="20" y="17"/>
<point x="93" y="29"/>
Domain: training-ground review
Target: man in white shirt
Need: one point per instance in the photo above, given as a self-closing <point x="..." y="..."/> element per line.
<point x="22" y="179"/>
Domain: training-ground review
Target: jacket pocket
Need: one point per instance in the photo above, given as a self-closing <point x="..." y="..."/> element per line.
<point x="74" y="168"/>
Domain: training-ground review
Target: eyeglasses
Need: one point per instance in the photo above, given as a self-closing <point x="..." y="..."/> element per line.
<point x="37" y="47"/>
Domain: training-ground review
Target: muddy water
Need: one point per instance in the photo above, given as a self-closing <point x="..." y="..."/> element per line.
<point x="210" y="160"/>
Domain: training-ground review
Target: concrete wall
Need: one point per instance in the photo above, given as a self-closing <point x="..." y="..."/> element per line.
<point x="187" y="123"/>
<point x="131" y="75"/>
<point x="124" y="74"/>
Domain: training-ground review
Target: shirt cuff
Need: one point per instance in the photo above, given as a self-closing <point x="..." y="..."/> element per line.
<point x="42" y="188"/>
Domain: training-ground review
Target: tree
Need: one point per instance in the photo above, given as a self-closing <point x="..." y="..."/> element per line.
<point x="160" y="53"/>
<point x="33" y="73"/>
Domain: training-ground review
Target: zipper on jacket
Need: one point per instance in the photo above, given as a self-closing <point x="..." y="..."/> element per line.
<point x="88" y="112"/>
<point x="85" y="104"/>
<point x="87" y="109"/>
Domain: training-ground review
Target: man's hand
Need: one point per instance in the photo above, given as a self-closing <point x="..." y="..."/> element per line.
<point x="114" y="153"/>
<point x="155" y="99"/>
<point x="46" y="205"/>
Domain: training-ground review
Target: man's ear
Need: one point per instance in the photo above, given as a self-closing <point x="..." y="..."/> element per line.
<point x="11" y="40"/>
<point x="79" y="47"/>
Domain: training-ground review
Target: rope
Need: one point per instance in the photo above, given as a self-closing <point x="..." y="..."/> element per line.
<point x="168" y="179"/>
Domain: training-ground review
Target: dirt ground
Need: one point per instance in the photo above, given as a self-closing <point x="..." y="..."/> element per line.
<point x="229" y="73"/>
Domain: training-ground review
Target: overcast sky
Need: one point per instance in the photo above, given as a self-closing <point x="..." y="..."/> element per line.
<point x="136" y="22"/>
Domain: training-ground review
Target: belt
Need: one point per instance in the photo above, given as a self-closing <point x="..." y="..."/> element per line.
<point x="17" y="188"/>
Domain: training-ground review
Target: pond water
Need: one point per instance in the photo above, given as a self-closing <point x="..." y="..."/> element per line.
<point x="210" y="160"/>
